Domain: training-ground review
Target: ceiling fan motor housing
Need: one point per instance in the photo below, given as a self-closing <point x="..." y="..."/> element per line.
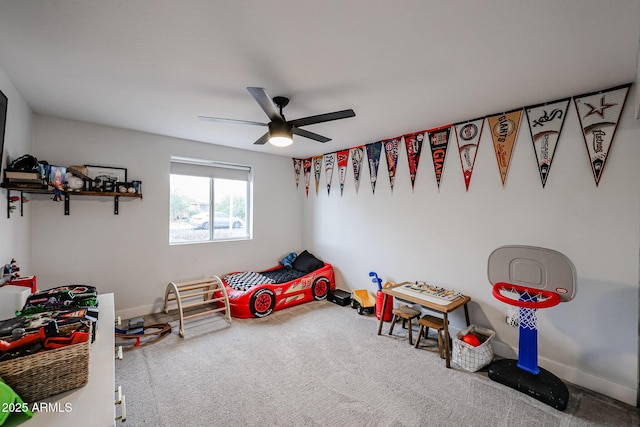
<point x="280" y="129"/>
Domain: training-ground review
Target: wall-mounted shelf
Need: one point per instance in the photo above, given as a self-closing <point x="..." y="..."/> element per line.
<point x="66" y="195"/>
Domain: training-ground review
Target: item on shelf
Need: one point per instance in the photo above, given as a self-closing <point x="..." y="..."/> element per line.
<point x="61" y="297"/>
<point x="74" y="183"/>
<point x="79" y="171"/>
<point x="22" y="177"/>
<point x="26" y="163"/>
<point x="9" y="272"/>
<point x="47" y="337"/>
<point x="63" y="317"/>
<point x="7" y="326"/>
<point x="46" y="373"/>
<point x="12" y="299"/>
<point x="26" y="281"/>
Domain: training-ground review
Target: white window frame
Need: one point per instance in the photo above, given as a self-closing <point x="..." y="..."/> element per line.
<point x="217" y="170"/>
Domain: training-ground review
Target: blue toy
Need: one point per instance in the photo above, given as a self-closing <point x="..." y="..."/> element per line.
<point x="376" y="279"/>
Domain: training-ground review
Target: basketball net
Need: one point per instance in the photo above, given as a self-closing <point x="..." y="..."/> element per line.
<point x="518" y="316"/>
<point x="523" y="312"/>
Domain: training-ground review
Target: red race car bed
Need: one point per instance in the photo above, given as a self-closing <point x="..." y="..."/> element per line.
<point x="258" y="294"/>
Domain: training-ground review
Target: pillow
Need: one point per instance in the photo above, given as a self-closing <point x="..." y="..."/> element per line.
<point x="287" y="262"/>
<point x="307" y="262"/>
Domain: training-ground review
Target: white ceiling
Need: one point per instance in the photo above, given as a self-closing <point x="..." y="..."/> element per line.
<point x="403" y="66"/>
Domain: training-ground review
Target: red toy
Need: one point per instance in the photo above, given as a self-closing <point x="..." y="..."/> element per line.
<point x="471" y="340"/>
<point x="263" y="299"/>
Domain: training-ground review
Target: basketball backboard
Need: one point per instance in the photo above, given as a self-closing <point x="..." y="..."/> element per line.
<point x="533" y="267"/>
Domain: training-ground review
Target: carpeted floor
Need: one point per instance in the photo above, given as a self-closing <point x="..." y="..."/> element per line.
<point x="320" y="364"/>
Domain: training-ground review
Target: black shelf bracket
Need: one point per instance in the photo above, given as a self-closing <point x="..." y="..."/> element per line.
<point x="66" y="203"/>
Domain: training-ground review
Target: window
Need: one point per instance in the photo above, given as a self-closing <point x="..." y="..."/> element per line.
<point x="209" y="201"/>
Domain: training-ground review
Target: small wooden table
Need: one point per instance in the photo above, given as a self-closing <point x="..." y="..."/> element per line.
<point x="427" y="302"/>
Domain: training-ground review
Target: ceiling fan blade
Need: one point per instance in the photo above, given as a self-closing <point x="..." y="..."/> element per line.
<point x="262" y="98"/>
<point x="239" y="122"/>
<point x="310" y="135"/>
<point x="320" y="118"/>
<point x="263" y="139"/>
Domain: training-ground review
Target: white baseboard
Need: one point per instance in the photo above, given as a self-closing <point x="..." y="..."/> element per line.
<point x="583" y="379"/>
<point x="139" y="311"/>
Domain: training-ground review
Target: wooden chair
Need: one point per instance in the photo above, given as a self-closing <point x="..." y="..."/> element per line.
<point x="406" y="314"/>
<point x="436" y="323"/>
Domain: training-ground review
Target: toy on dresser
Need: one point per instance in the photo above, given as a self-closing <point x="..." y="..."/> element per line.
<point x="9" y="272"/>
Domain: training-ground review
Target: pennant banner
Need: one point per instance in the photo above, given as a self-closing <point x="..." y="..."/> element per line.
<point x="342" y="159"/>
<point x="297" y="166"/>
<point x="373" y="154"/>
<point x="504" y="132"/>
<point x="391" y="151"/>
<point x="357" y="154"/>
<point x="329" y="161"/>
<point x="468" y="137"/>
<point x="545" y="124"/>
<point x="599" y="114"/>
<point x="317" y="167"/>
<point x="307" y="174"/>
<point x="413" y="144"/>
<point x="439" y="141"/>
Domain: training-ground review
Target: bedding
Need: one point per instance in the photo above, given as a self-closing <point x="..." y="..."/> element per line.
<point x="258" y="294"/>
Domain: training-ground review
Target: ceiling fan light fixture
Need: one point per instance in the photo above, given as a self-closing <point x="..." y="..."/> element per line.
<point x="280" y="134"/>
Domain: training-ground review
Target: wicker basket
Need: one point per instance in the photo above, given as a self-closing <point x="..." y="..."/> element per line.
<point x="38" y="376"/>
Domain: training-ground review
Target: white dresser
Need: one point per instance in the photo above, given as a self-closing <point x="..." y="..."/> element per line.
<point x="93" y="404"/>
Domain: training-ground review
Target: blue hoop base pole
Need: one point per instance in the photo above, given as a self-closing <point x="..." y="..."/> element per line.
<point x="528" y="348"/>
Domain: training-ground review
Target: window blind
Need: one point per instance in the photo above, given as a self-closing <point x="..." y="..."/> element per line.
<point x="211" y="169"/>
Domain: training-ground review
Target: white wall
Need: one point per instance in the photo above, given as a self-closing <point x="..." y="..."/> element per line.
<point x="129" y="254"/>
<point x="446" y="236"/>
<point x="15" y="233"/>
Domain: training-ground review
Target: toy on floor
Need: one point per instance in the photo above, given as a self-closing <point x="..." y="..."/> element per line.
<point x="530" y="278"/>
<point x="388" y="315"/>
<point x="136" y="330"/>
<point x="362" y="301"/>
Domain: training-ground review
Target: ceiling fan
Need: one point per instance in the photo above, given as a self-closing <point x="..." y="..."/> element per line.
<point x="281" y="131"/>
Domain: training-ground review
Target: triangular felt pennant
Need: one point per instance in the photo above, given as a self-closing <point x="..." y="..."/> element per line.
<point x="297" y="166"/>
<point x="545" y="124"/>
<point x="439" y="140"/>
<point x="391" y="149"/>
<point x="329" y="161"/>
<point x="357" y="154"/>
<point x="307" y="174"/>
<point x="342" y="158"/>
<point x="413" y="144"/>
<point x="373" y="154"/>
<point x="504" y="132"/>
<point x="599" y="113"/>
<point x="468" y="136"/>
<point x="317" y="167"/>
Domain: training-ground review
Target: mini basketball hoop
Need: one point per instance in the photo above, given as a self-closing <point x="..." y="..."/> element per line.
<point x="527" y="301"/>
<point x="529" y="279"/>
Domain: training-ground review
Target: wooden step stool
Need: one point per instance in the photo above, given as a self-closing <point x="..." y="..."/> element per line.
<point x="406" y="314"/>
<point x="203" y="292"/>
<point x="436" y="323"/>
